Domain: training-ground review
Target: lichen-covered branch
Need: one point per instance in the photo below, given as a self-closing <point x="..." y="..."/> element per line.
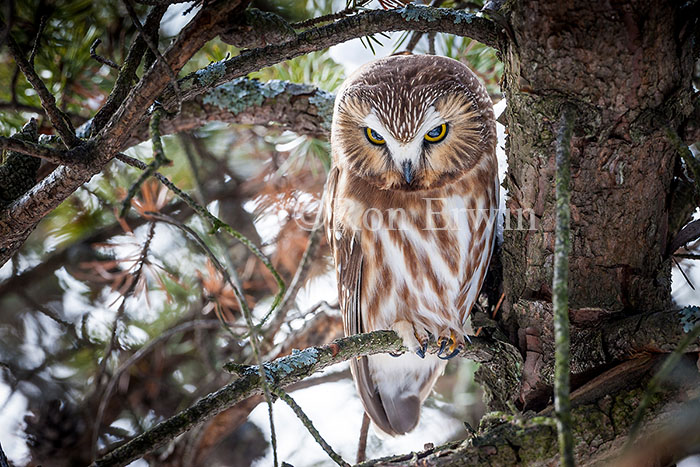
<point x="411" y="17"/>
<point x="601" y="414"/>
<point x="560" y="287"/>
<point x="281" y="372"/>
<point x="21" y="217"/>
<point x="301" y="108"/>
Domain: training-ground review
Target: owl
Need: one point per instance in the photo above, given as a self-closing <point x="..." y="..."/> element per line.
<point x="410" y="206"/>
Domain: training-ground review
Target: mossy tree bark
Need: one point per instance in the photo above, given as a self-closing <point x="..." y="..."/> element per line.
<point x="626" y="67"/>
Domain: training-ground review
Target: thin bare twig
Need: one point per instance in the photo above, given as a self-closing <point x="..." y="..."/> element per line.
<point x="99" y="58"/>
<point x="35" y="47"/>
<point x="138" y="355"/>
<point x="413" y="41"/>
<point x="159" y="159"/>
<point x="299" y="276"/>
<point x="687" y="279"/>
<point x="560" y="295"/>
<point x="58" y="119"/>
<point x="243" y="304"/>
<point x="309" y="426"/>
<point x="42" y="152"/>
<point x="122" y="306"/>
<point x="153" y="46"/>
<point x="362" y="443"/>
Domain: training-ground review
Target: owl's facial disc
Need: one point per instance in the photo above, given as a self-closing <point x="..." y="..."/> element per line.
<point x="407" y="155"/>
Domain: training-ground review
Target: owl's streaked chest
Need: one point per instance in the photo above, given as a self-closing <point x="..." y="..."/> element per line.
<point x="416" y="264"/>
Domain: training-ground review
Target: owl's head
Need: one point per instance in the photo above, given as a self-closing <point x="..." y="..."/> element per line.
<point x="412" y="122"/>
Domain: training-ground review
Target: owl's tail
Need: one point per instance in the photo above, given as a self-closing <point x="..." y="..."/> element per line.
<point x="392" y="389"/>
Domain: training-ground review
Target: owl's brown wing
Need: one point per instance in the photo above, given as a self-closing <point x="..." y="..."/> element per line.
<point x="347" y="251"/>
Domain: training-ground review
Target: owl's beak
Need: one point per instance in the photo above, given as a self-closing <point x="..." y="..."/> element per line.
<point x="407" y="171"/>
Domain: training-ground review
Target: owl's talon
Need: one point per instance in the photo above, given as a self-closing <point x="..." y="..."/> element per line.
<point x="423" y="347"/>
<point x="395" y="354"/>
<point x="443" y="344"/>
<point x="468" y="339"/>
<point x="457" y="350"/>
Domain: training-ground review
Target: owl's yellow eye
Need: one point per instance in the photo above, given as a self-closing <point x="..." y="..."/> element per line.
<point x="374" y="137"/>
<point x="436" y="134"/>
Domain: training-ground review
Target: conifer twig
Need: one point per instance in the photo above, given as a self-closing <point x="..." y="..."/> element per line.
<point x="159" y="159"/>
<point x="560" y="296"/>
<point x="217" y="224"/>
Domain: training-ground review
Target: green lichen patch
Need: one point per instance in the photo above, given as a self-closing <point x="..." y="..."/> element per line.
<point x="463" y="17"/>
<point x="690" y="317"/>
<point x="298" y="360"/>
<point x="424" y="13"/>
<point x="324" y="106"/>
<point x="242" y="93"/>
<point x="420" y="13"/>
<point x="211" y="73"/>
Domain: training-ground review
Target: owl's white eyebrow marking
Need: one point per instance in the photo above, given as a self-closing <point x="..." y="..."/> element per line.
<point x="400" y="151"/>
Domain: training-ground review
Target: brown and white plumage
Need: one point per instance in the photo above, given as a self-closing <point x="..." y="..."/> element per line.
<point x="410" y="211"/>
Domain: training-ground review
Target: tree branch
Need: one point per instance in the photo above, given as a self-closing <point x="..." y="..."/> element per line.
<point x="22" y="216"/>
<point x="411" y="17"/>
<point x="602" y="416"/>
<point x="689" y="233"/>
<point x="281" y="372"/>
<point x="100" y="59"/>
<point x="58" y="119"/>
<point x="127" y="74"/>
<point x="58" y="157"/>
<point x="301" y="108"/>
<point x="310" y="426"/>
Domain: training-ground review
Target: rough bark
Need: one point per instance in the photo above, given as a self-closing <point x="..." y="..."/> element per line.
<point x="626" y="67"/>
<point x="601" y="420"/>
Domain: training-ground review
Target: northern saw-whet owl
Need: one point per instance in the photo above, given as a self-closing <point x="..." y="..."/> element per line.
<point x="411" y="203"/>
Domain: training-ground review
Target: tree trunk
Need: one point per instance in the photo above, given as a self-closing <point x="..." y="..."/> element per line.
<point x="626" y="69"/>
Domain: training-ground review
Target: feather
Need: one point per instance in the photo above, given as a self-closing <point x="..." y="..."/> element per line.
<point x="411" y="253"/>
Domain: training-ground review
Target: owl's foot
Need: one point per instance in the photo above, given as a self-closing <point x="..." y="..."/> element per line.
<point x="410" y="338"/>
<point x="414" y="341"/>
<point x="423" y="346"/>
<point x="449" y="347"/>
